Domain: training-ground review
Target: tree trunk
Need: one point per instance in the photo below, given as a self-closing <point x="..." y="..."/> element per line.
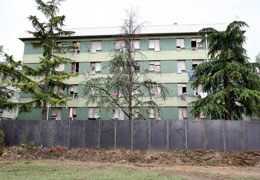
<point x="227" y="100"/>
<point x="44" y="111"/>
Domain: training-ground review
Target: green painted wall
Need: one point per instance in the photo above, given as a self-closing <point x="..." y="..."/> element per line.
<point x="84" y="67"/>
<point x="81" y="90"/>
<point x="33" y="65"/>
<point x="169" y="66"/>
<point x="187" y="42"/>
<point x="29" y="49"/>
<point x="85" y="46"/>
<point x="169" y="113"/>
<point x="172" y="88"/>
<point x="82" y="113"/>
<point x="64" y="113"/>
<point x="144" y="66"/>
<point x="104" y="67"/>
<point x="144" y="45"/>
<point x="108" y="45"/>
<point x="35" y="114"/>
<point x="25" y="95"/>
<point x="105" y="114"/>
<point x="188" y="65"/>
<point x="168" y="44"/>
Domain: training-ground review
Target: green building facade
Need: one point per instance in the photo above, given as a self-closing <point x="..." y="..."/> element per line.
<point x="168" y="55"/>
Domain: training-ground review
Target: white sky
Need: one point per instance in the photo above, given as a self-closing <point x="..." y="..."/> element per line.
<point x="104" y="13"/>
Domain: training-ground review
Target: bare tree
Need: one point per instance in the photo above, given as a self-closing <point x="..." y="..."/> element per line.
<point x="125" y="86"/>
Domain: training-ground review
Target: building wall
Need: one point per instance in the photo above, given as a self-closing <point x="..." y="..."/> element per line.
<point x="168" y="56"/>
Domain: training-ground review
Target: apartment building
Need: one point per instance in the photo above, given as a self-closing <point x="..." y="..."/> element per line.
<point x="169" y="52"/>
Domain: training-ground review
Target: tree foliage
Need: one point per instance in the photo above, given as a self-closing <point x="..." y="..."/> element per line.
<point x="231" y="82"/>
<point x="11" y="76"/>
<point x="45" y="77"/>
<point x="125" y="79"/>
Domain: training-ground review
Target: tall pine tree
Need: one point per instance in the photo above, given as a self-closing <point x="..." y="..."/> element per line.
<point x="45" y="77"/>
<point x="230" y="80"/>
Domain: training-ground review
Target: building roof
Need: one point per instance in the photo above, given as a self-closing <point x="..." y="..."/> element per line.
<point x="144" y="30"/>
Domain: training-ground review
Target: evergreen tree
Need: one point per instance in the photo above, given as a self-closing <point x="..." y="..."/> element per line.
<point x="231" y="82"/>
<point x="11" y="76"/>
<point x="46" y="77"/>
<point x="124" y="87"/>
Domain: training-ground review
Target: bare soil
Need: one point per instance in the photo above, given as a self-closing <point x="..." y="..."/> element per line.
<point x="191" y="164"/>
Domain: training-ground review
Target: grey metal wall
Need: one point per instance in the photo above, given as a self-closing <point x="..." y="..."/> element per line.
<point x="219" y="135"/>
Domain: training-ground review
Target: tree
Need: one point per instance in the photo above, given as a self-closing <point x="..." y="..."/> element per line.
<point x="231" y="82"/>
<point x="45" y="77"/>
<point x="124" y="87"/>
<point x="11" y="76"/>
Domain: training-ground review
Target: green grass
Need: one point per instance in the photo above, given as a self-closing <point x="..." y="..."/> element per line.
<point x="48" y="170"/>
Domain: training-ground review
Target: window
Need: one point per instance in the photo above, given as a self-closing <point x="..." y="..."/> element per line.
<point x="182" y="91"/>
<point x="118" y="114"/>
<point x="56" y="114"/>
<point x="93" y="113"/>
<point x="198" y="90"/>
<point x="155" y="66"/>
<point x="136" y="89"/>
<point x="72" y="113"/>
<point x="136" y="112"/>
<point x="119" y="44"/>
<point x="154" y="44"/>
<point x="197" y="117"/>
<point x="58" y="90"/>
<point x="3" y="76"/>
<point x="74" y="68"/>
<point x="61" y="47"/>
<point x="95" y="67"/>
<point x="11" y="94"/>
<point x="136" y="44"/>
<point x="76" y="47"/>
<point x="182" y="113"/>
<point x="96" y="46"/>
<point x="137" y="66"/>
<point x="117" y="93"/>
<point x="156" y="90"/>
<point x="154" y="114"/>
<point x="196" y="43"/>
<point x="181" y="66"/>
<point x="10" y="109"/>
<point x="180" y="43"/>
<point x="73" y="91"/>
<point x="61" y="67"/>
<point x="13" y="80"/>
<point x="196" y="63"/>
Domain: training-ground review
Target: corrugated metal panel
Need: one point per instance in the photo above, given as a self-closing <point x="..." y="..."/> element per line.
<point x="146" y="29"/>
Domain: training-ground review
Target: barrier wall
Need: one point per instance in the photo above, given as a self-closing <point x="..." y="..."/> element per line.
<point x="219" y="135"/>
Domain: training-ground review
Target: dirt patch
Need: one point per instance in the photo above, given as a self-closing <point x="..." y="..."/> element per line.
<point x="136" y="157"/>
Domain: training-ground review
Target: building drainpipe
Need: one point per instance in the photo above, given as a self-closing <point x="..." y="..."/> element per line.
<point x="207" y="59"/>
<point x="48" y="109"/>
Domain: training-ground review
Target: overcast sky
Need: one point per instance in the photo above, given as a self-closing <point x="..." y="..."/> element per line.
<point x="105" y="13"/>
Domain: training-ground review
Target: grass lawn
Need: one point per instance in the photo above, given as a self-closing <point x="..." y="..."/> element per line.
<point x="60" y="170"/>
